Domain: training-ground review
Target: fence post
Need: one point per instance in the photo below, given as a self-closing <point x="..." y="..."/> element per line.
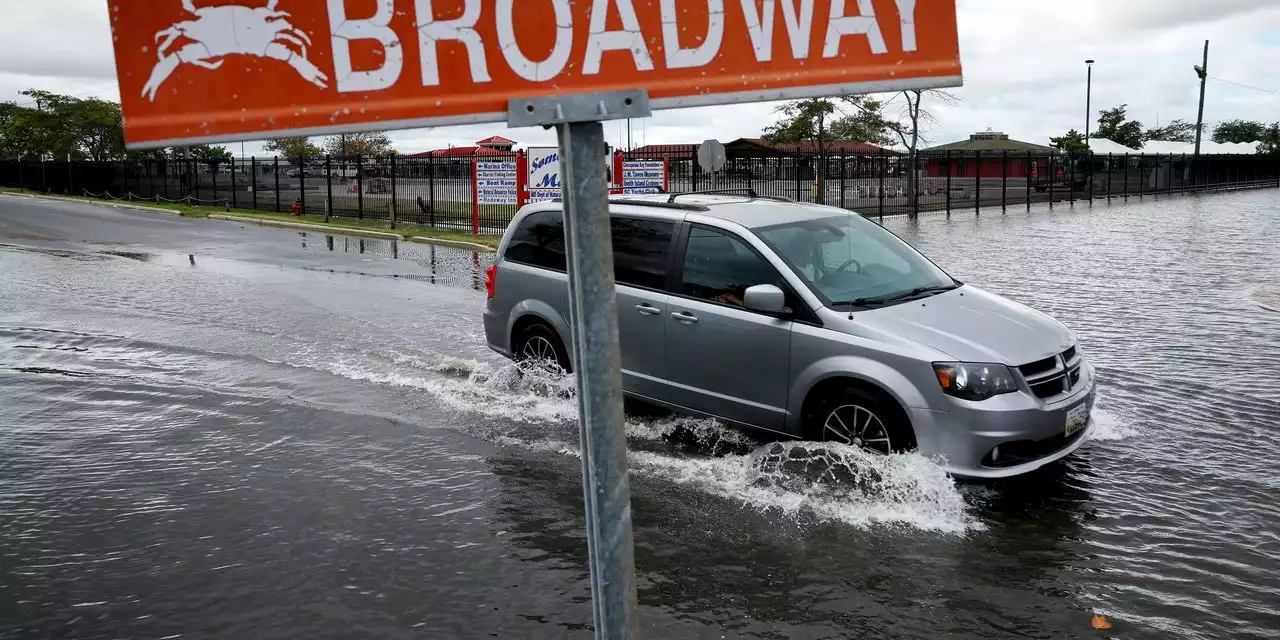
<point x="70" y="178"/>
<point x="1026" y="171"/>
<point x="1126" y="176"/>
<point x="883" y="169"/>
<point x="1004" y="181"/>
<point x="253" y="182"/>
<point x="977" y="181"/>
<point x="948" y="156"/>
<point x="359" y="188"/>
<point x="328" y="186"/>
<point x="1168" y="184"/>
<point x="276" y="166"/>
<point x="431" y="188"/>
<point x="44" y="177"/>
<point x="235" y="202"/>
<point x="844" y="168"/>
<point x="913" y="179"/>
<point x="1052" y="175"/>
<point x="302" y="184"/>
<point x="1110" y="170"/>
<point x="22" y="183"/>
<point x="392" y="162"/>
<point x="1071" y="191"/>
<point x="151" y="182"/>
<point x="795" y="166"/>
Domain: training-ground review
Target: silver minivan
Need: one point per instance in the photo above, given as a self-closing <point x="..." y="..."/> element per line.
<point x="809" y="322"/>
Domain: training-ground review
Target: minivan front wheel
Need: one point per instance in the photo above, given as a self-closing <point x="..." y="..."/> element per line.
<point x="538" y="344"/>
<point x="853" y="416"/>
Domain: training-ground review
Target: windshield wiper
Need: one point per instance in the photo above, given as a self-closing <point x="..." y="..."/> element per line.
<point x="918" y="291"/>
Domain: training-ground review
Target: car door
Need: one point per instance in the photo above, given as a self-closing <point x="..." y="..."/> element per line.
<point x="641" y="262"/>
<point x="723" y="359"/>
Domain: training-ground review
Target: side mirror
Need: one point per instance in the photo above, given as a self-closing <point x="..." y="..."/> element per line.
<point x="766" y="298"/>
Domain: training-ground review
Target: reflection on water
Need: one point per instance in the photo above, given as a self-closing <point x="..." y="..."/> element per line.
<point x="449" y="266"/>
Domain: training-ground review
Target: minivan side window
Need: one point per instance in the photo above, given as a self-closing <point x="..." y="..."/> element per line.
<point x="539" y="241"/>
<point x="719" y="267"/>
<point x="641" y="251"/>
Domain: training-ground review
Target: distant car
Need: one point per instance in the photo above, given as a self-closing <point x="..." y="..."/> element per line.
<point x="805" y="321"/>
<point x="304" y="173"/>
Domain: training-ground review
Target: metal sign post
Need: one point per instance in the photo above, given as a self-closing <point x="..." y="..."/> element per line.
<point x="593" y="317"/>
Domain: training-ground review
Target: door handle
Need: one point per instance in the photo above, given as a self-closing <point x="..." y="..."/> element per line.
<point x="648" y="310"/>
<point x="685" y="317"/>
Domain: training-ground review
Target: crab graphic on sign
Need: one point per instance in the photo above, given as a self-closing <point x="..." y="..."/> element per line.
<point x="231" y="29"/>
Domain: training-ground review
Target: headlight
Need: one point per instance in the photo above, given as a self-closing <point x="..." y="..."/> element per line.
<point x="971" y="381"/>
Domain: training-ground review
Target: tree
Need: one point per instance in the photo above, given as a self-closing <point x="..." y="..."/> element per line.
<point x="1239" y="131"/>
<point x="292" y="148"/>
<point x="372" y="143"/>
<point x="207" y="152"/>
<point x="911" y="123"/>
<point x="62" y="127"/>
<point x="1113" y="126"/>
<point x="1177" y="131"/>
<point x="853" y="118"/>
<point x="1070" y="142"/>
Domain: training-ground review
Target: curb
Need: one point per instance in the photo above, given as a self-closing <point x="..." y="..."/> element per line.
<point x="113" y="205"/>
<point x="300" y="226"/>
<point x="303" y="226"/>
<point x="457" y="244"/>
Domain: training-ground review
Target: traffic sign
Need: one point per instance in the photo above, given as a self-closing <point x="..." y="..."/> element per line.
<point x="195" y="71"/>
<point x="711" y="156"/>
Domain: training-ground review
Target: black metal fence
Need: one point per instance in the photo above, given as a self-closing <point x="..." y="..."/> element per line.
<point x="438" y="191"/>
<point x="883" y="184"/>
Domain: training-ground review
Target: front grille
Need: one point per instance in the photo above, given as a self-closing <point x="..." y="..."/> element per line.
<point x="1053" y="376"/>
<point x="1038" y="367"/>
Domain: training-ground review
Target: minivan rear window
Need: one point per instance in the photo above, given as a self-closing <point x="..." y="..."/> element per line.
<point x="539" y="241"/>
<point x="641" y="248"/>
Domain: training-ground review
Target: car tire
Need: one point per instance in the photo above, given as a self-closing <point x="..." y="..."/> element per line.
<point x="538" y="343"/>
<point x="859" y="417"/>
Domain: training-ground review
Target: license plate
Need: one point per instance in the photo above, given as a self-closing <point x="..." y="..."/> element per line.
<point x="1077" y="418"/>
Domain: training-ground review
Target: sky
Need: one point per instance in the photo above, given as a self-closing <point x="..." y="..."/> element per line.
<point x="1024" y="71"/>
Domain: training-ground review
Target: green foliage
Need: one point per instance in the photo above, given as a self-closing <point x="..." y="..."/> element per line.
<point x="1239" y="131"/>
<point x="61" y="126"/>
<point x="293" y="148"/>
<point x="372" y="143"/>
<point x="1177" y="131"/>
<point x="1070" y="142"/>
<point x="820" y="120"/>
<point x="1113" y="126"/>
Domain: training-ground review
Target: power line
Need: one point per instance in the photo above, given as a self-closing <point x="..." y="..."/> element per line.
<point x="1238" y="84"/>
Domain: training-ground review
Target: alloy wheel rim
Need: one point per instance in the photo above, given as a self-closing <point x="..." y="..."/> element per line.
<point x="538" y="348"/>
<point x="858" y="426"/>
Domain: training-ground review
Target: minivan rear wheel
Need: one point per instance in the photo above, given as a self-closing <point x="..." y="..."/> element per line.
<point x="856" y="417"/>
<point x="538" y="344"/>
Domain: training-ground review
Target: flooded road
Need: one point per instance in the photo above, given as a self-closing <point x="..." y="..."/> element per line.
<point x="209" y="430"/>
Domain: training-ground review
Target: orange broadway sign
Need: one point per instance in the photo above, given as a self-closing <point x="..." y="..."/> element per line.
<point x="219" y="70"/>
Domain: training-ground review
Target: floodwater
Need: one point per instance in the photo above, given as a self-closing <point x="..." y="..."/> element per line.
<point x="209" y="430"/>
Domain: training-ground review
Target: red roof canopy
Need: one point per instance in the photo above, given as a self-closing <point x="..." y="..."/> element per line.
<point x="497" y="140"/>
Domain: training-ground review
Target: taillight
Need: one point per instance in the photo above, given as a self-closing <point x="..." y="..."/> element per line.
<point x="490" y="275"/>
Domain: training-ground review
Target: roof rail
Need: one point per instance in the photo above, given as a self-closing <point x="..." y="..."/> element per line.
<point x="656" y="203"/>
<point x="748" y="192"/>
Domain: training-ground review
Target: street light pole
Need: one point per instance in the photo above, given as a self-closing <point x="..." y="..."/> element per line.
<point x="1088" y="98"/>
<point x="1202" y="70"/>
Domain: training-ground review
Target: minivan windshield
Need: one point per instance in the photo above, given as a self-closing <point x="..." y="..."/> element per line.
<point x="848" y="260"/>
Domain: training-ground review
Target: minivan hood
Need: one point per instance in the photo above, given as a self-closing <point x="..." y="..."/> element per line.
<point x="971" y="325"/>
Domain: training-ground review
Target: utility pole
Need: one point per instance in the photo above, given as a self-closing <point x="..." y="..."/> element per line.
<point x="1202" y="70"/>
<point x="629" y="147"/>
<point x="1088" y="97"/>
